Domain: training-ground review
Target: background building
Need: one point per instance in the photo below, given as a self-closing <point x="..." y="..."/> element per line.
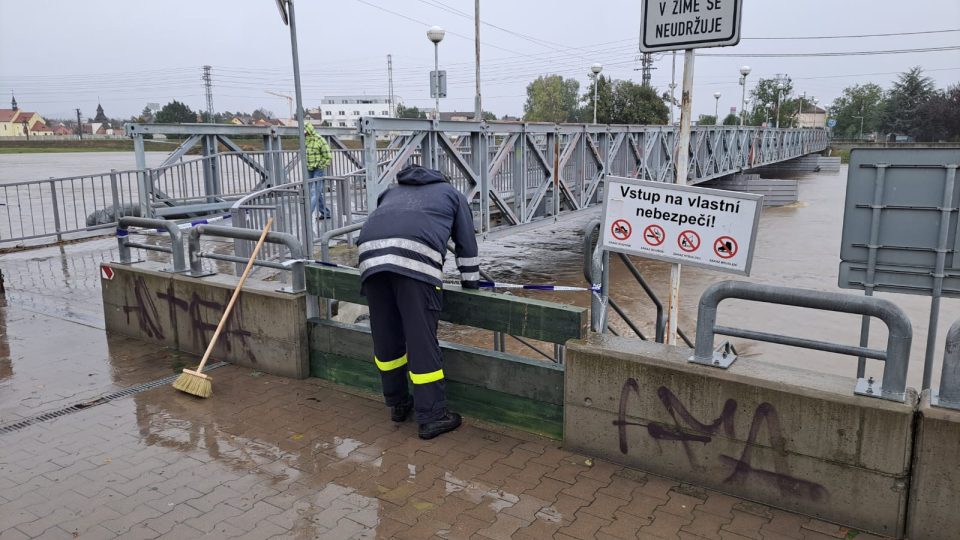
<point x="812" y="116"/>
<point x="343" y="111"/>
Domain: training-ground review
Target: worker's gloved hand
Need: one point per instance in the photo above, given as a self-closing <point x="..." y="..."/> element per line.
<point x="470" y="284"/>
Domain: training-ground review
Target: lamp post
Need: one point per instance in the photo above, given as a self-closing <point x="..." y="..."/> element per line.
<point x="435" y="34"/>
<point x="744" y="71"/>
<point x="716" y="108"/>
<point x="800" y="110"/>
<point x="780" y="87"/>
<point x="289" y="19"/>
<point x="814" y="101"/>
<point x="596" y="69"/>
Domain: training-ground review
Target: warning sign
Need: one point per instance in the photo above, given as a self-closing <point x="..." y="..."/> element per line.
<point x="621" y="229"/>
<point x="725" y="247"/>
<point x="705" y="227"/>
<point x="689" y="241"/>
<point x="654" y="235"/>
<point x="106" y="273"/>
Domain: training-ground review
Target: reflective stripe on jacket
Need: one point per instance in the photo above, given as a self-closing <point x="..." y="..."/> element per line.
<point x="408" y="232"/>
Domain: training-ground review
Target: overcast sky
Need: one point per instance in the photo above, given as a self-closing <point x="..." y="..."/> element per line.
<point x="57" y="55"/>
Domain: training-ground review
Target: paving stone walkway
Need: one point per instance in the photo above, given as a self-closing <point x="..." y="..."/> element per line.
<point x="268" y="457"/>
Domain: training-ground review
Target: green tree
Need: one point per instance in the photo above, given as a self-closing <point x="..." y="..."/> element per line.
<point x="176" y="113"/>
<point x="731" y="120"/>
<point x="552" y="98"/>
<point x="146" y="115"/>
<point x="859" y="100"/>
<point x="637" y="104"/>
<point x="410" y="112"/>
<point x="940" y="116"/>
<point x="765" y="102"/>
<point x="707" y="120"/>
<point x="487" y="115"/>
<point x="906" y="99"/>
<point x="604" y="101"/>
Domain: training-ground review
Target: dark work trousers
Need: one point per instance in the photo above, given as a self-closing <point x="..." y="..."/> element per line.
<point x="403" y="318"/>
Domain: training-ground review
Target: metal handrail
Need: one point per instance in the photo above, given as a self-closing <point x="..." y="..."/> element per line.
<point x="598" y="262"/>
<point x="176" y="239"/>
<point x="298" y="282"/>
<point x="949" y="394"/>
<point x="896" y="356"/>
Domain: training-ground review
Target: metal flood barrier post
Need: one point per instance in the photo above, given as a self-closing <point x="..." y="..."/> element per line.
<point x="176" y="240"/>
<point x="298" y="282"/>
<point x="896" y="357"/>
<point x="949" y="394"/>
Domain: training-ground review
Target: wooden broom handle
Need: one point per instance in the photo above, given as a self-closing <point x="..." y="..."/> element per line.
<point x="236" y="293"/>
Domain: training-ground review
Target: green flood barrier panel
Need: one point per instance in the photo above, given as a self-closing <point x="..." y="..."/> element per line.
<point x="493" y="386"/>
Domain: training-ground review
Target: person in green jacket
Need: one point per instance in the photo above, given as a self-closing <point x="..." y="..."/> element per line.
<point x="318" y="159"/>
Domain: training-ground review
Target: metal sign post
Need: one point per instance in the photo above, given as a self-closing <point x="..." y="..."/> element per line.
<point x="675" y="25"/>
<point x="901" y="232"/>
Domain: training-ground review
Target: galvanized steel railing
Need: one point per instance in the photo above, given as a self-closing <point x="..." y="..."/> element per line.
<point x="515" y="173"/>
<point x="896" y="356"/>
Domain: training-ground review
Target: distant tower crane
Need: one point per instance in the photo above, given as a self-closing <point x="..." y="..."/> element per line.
<point x="285" y="96"/>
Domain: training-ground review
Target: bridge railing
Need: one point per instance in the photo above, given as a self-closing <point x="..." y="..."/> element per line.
<point x="515" y="173"/>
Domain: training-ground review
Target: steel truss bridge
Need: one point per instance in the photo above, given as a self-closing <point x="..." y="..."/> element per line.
<point x="515" y="173"/>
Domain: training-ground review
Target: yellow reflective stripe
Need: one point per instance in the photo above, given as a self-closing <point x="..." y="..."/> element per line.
<point x="392" y="364"/>
<point x="425" y="378"/>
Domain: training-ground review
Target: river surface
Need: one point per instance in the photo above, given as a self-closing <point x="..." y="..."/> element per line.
<point x="797" y="246"/>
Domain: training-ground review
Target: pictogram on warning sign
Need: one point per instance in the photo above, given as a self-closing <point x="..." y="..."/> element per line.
<point x="688" y="241"/>
<point x="106" y="273"/>
<point x="654" y="235"/>
<point x="621" y="229"/>
<point x="725" y="247"/>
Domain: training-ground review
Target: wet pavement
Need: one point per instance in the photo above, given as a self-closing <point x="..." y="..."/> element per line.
<point x="269" y="457"/>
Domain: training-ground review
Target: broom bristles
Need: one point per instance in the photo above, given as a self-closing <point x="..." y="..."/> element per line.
<point x="194" y="383"/>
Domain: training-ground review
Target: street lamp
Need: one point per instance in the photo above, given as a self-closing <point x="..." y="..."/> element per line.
<point x="800" y="110"/>
<point x="744" y="71"/>
<point x="289" y="19"/>
<point x="596" y="69"/>
<point x="780" y="87"/>
<point x="435" y="34"/>
<point x="716" y="109"/>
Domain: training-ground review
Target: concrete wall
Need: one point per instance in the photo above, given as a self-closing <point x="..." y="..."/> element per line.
<point x="786" y="437"/>
<point x="935" y="484"/>
<point x="266" y="330"/>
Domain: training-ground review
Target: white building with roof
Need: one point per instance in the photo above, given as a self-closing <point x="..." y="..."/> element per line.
<point x="343" y="111"/>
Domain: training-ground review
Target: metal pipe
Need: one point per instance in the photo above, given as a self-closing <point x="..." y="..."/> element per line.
<point x="869" y="285"/>
<point x="307" y="227"/>
<point x="176" y="238"/>
<point x="682" y="161"/>
<point x="290" y="241"/>
<point x="949" y="395"/>
<point x="900" y="332"/>
<point x="800" y="342"/>
<point x="946" y="209"/>
<point x="661" y="317"/>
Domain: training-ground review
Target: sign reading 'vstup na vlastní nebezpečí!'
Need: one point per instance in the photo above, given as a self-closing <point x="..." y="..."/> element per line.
<point x="681" y="224"/>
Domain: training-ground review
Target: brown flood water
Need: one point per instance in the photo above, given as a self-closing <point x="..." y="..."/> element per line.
<point x="797" y="246"/>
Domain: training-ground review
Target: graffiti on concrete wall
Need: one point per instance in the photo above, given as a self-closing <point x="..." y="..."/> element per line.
<point x="204" y="315"/>
<point x="144" y="309"/>
<point x="689" y="431"/>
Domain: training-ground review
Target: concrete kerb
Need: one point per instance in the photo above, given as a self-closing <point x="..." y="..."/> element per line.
<point x="266" y="330"/>
<point x="807" y="445"/>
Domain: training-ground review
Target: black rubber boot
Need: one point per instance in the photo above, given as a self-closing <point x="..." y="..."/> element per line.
<point x="400" y="413"/>
<point x="449" y="422"/>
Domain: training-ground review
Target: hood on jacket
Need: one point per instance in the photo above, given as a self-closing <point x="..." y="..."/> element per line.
<point x="416" y="175"/>
<point x="309" y="130"/>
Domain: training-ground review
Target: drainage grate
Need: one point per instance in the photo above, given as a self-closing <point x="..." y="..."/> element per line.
<point x="20" y="424"/>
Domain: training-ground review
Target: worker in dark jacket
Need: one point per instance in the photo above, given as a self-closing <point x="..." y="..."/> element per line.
<point x="402" y="249"/>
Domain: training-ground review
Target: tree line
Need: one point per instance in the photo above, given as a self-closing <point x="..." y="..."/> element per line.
<point x="552" y="98"/>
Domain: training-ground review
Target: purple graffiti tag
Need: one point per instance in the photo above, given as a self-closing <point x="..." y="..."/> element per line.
<point x="696" y="431"/>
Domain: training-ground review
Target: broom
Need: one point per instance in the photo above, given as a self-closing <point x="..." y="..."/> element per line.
<point x="194" y="381"/>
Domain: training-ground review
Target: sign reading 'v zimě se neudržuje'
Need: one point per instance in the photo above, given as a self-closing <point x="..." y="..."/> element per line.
<point x="689" y="225"/>
<point x="690" y="24"/>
